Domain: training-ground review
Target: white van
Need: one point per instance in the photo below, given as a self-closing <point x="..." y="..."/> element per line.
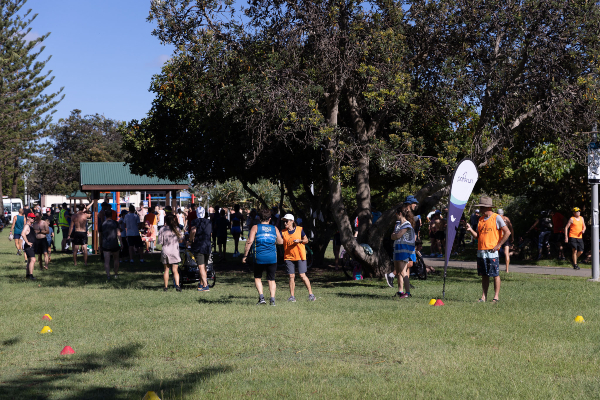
<point x="11" y="207"/>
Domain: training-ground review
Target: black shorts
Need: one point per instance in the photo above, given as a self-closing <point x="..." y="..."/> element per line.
<point x="134" y="241"/>
<point x="271" y="269"/>
<point x="440" y="235"/>
<point x="576" y="244"/>
<point x="222" y="240"/>
<point x="337" y="239"/>
<point x="79" y="238"/>
<point x="65" y="231"/>
<point x="40" y="246"/>
<point x="29" y="252"/>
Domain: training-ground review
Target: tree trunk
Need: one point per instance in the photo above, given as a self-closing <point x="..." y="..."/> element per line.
<point x="1" y="202"/>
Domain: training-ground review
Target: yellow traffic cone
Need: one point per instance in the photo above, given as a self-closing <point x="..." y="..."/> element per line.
<point x="151" y="396"/>
<point x="46" y="329"/>
<point x="579" y="319"/>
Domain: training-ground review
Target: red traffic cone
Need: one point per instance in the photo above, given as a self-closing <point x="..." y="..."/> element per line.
<point x="47" y="317"/>
<point x="67" y="350"/>
<point x="439" y="303"/>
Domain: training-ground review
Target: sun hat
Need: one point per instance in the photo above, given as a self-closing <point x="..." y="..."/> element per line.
<point x="575" y="209"/>
<point x="289" y="217"/>
<point x="410" y="199"/>
<point x="484" y="201"/>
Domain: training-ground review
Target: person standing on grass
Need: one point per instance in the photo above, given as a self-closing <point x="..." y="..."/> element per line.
<point x="236" y="228"/>
<point x="50" y="240"/>
<point x="161" y="217"/>
<point x="111" y="235"/>
<point x="28" y="236"/>
<point x="413" y="203"/>
<point x="18" y="223"/>
<point x="491" y="235"/>
<point x="142" y="211"/>
<point x="132" y="232"/>
<point x="265" y="254"/>
<point x="49" y="218"/>
<point x="199" y="241"/>
<point x="558" y="231"/>
<point x="294" y="240"/>
<point x="41" y="244"/>
<point x="78" y="232"/>
<point x="404" y="248"/>
<point x="222" y="226"/>
<point x="574" y="230"/>
<point x="169" y="237"/>
<point x="64" y="221"/>
<point x="544" y="224"/>
<point x="508" y="244"/>
<point x="192" y="214"/>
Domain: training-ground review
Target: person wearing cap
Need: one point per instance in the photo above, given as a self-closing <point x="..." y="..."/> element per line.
<point x="574" y="235"/>
<point x="265" y="254"/>
<point x="491" y="235"/>
<point x="28" y="236"/>
<point x="507" y="245"/>
<point x="294" y="250"/>
<point x="199" y="242"/>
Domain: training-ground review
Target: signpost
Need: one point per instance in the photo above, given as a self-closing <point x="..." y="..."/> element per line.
<point x="594" y="179"/>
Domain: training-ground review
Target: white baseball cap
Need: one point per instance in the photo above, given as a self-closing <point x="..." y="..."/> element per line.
<point x="289" y="217"/>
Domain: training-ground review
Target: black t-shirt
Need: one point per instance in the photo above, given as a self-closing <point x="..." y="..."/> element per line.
<point x="110" y="238"/>
<point x="202" y="237"/>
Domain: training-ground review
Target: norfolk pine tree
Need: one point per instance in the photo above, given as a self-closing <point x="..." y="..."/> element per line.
<point x="24" y="109"/>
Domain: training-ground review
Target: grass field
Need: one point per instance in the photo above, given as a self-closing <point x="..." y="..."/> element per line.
<point x="355" y="341"/>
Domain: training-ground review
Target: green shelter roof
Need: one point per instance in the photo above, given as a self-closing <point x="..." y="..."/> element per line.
<point x="114" y="176"/>
<point x="77" y="195"/>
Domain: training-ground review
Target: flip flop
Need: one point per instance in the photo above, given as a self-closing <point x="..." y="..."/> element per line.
<point x="481" y="301"/>
<point x="495" y="301"/>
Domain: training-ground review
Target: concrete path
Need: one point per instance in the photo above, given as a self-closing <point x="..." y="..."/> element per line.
<point x="526" y="269"/>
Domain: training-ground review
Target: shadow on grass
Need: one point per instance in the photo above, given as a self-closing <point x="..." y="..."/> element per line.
<point x="11" y="341"/>
<point x="43" y="383"/>
<point x="364" y="296"/>
<point x="226" y="300"/>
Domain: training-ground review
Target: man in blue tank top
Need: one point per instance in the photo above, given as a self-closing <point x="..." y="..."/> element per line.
<point x="266" y="237"/>
<point x="18" y="223"/>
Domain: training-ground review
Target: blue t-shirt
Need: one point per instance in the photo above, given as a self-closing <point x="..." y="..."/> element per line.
<point x="266" y="238"/>
<point x="49" y="235"/>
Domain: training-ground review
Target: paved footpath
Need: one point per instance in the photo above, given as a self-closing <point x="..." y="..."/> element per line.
<point x="526" y="269"/>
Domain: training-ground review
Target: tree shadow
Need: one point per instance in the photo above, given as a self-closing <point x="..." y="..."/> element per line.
<point x="42" y="383"/>
<point x="11" y="341"/>
<point x="364" y="296"/>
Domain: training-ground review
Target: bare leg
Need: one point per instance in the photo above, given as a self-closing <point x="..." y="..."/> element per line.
<point x="75" y="248"/>
<point x="84" y="251"/>
<point x="496" y="287"/>
<point x="574" y="256"/>
<point x="202" y="269"/>
<point x="485" y="284"/>
<point x="30" y="265"/>
<point x="397" y="271"/>
<point x="406" y="275"/>
<point x="175" y="274"/>
<point x="272" y="288"/>
<point x="236" y="241"/>
<point x="507" y="256"/>
<point x="306" y="283"/>
<point x="259" y="285"/>
<point x="141" y="253"/>
<point x="292" y="284"/>
<point x="166" y="275"/>
<point x="116" y="262"/>
<point x="107" y="263"/>
<point x="336" y="254"/>
<point x="41" y="260"/>
<point x="131" y="251"/>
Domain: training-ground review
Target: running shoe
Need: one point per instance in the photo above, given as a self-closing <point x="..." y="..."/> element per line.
<point x="390" y="280"/>
<point x="311" y="297"/>
<point x="178" y="288"/>
<point x="432" y="255"/>
<point x="399" y="294"/>
<point x="292" y="299"/>
<point x="576" y="266"/>
<point x="406" y="296"/>
<point x="165" y="289"/>
<point x="204" y="288"/>
<point x="272" y="301"/>
<point x="440" y="255"/>
<point x="261" y="300"/>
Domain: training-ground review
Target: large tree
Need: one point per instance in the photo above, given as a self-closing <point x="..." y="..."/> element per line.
<point x="376" y="93"/>
<point x="25" y="107"/>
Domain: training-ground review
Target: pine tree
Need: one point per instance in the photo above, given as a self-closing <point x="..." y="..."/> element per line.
<point x="25" y="109"/>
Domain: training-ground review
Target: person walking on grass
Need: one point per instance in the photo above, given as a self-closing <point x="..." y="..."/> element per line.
<point x="508" y="244"/>
<point x="265" y="254"/>
<point x="64" y="222"/>
<point x="111" y="235"/>
<point x="18" y="223"/>
<point x="169" y="237"/>
<point x="236" y="228"/>
<point x="199" y="241"/>
<point x="132" y="232"/>
<point x="222" y="226"/>
<point x="413" y="203"/>
<point x="28" y="236"/>
<point x="404" y="248"/>
<point x="574" y="235"/>
<point x="491" y="235"/>
<point x="41" y="243"/>
<point x="78" y="232"/>
<point x="294" y="240"/>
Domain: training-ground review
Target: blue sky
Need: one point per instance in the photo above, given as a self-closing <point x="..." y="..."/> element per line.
<point x="103" y="54"/>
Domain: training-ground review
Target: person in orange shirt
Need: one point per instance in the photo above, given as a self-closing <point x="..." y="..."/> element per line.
<point x="491" y="235"/>
<point x="574" y="235"/>
<point x="294" y="240"/>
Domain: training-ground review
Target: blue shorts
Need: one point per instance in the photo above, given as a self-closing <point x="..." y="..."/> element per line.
<point x="488" y="266"/>
<point x="16" y="236"/>
<point x="404" y="257"/>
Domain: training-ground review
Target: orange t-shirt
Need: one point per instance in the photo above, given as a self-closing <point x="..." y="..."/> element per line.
<point x="488" y="234"/>
<point x="293" y="251"/>
<point x="576" y="228"/>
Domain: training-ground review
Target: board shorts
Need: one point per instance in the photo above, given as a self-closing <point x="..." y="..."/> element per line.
<point x="201" y="258"/>
<point x="134" y="241"/>
<point x="300" y="264"/>
<point x="79" y="238"/>
<point x="40" y="246"/>
<point x="271" y="269"/>
<point x="576" y="243"/>
<point x="487" y="266"/>
<point x="29" y="252"/>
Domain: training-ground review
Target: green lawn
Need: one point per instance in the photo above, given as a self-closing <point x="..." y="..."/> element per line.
<point x="354" y="342"/>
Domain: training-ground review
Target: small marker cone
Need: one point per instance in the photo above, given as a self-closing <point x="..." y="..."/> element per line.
<point x="67" y="350"/>
<point x="47" y="316"/>
<point x="46" y="329"/>
<point x="431" y="302"/>
<point x="151" y="396"/>
<point x="439" y="303"/>
<point x="579" y="319"/>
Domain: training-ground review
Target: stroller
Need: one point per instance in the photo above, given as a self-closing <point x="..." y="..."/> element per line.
<point x="189" y="272"/>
